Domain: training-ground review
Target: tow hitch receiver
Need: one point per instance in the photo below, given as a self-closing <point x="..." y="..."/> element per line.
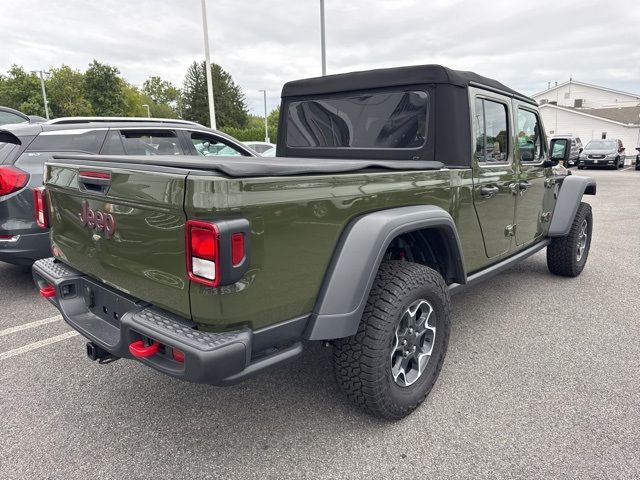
<point x="140" y="350"/>
<point x="94" y="352"/>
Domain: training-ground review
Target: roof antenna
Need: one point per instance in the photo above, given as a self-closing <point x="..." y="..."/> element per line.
<point x="548" y="85"/>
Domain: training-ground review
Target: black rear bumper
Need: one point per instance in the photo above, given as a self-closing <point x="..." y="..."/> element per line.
<point x="113" y="321"/>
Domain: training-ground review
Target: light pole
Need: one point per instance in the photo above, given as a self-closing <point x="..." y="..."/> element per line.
<point x="266" y="127"/>
<point x="212" y="109"/>
<point x="148" y="111"/>
<point x="322" y="42"/>
<point x="41" y="74"/>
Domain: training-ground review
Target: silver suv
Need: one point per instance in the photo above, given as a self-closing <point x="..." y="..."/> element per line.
<point x="24" y="148"/>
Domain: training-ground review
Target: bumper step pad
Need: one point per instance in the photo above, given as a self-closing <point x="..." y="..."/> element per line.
<point x="162" y="323"/>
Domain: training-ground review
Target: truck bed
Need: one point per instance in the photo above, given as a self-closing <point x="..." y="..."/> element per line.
<point x="256" y="167"/>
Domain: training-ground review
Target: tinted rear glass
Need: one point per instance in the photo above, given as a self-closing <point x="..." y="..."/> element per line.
<point x="6" y="151"/>
<point x="360" y="120"/>
<point x="8" y="118"/>
<point x="87" y="141"/>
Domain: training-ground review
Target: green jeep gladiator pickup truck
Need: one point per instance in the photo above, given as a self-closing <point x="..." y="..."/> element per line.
<point x="392" y="189"/>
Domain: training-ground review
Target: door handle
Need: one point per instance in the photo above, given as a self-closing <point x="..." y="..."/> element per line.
<point x="488" y="192"/>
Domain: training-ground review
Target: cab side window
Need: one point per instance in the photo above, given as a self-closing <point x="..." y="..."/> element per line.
<point x="209" y="146"/>
<point x="490" y="131"/>
<point x="529" y="137"/>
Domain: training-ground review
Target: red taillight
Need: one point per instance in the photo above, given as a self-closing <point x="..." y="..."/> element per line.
<point x="40" y="206"/>
<point x="12" y="180"/>
<point x="202" y="245"/>
<point x="237" y="248"/>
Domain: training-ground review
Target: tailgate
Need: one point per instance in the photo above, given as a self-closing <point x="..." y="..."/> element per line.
<point x="124" y="227"/>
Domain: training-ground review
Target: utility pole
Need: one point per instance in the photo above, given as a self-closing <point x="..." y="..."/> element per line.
<point x="322" y="40"/>
<point x="207" y="57"/>
<point x="41" y="74"/>
<point x="266" y="127"/>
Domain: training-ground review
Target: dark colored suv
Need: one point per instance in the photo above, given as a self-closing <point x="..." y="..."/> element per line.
<point x="25" y="148"/>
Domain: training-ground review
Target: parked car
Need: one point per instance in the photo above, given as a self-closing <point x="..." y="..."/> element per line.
<point x="638" y="159"/>
<point x="395" y="189"/>
<point x="269" y="153"/>
<point x="602" y="153"/>
<point x="26" y="147"/>
<point x="576" y="149"/>
<point x="10" y="116"/>
<point x="259" y="147"/>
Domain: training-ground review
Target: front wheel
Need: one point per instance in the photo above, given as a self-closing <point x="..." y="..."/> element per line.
<point x="567" y="256"/>
<point x="390" y="365"/>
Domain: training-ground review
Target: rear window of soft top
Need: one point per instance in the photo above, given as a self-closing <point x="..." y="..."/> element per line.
<point x="360" y="120"/>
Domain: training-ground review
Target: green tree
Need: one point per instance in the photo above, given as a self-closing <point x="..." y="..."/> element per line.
<point x="133" y="100"/>
<point x="65" y="91"/>
<point x="160" y="91"/>
<point x="22" y="91"/>
<point x="273" y="118"/>
<point x="230" y="105"/>
<point x="104" y="90"/>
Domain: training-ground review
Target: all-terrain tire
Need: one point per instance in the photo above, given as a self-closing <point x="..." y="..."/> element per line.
<point x="362" y="363"/>
<point x="562" y="253"/>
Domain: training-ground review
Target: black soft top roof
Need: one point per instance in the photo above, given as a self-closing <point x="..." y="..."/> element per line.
<point x="391" y="77"/>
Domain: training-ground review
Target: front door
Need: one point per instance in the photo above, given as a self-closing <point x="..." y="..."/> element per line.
<point x="531" y="185"/>
<point x="493" y="170"/>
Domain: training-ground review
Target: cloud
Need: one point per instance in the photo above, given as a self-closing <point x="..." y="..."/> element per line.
<point x="264" y="44"/>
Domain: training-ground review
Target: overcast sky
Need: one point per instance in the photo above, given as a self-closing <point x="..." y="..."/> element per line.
<point x="265" y="43"/>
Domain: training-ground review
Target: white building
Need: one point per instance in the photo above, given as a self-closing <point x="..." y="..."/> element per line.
<point x="589" y="111"/>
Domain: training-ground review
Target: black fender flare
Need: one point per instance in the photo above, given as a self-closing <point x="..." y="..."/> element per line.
<point x="358" y="256"/>
<point x="570" y="195"/>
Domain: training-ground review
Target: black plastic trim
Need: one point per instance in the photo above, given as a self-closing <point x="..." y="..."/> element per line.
<point x="569" y="197"/>
<point x="209" y="357"/>
<point x="356" y="260"/>
<point x="496" y="268"/>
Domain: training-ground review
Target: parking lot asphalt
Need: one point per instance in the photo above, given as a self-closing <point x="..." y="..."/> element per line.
<point x="542" y="380"/>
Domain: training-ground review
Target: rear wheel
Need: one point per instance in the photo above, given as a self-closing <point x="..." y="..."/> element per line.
<point x="567" y="255"/>
<point x="390" y="365"/>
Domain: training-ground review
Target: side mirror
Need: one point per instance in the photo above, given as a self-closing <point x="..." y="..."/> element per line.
<point x="560" y="150"/>
<point x="581" y="149"/>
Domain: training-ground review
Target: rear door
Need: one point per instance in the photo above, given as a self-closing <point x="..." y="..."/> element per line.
<point x="123" y="225"/>
<point x="532" y="189"/>
<point x="493" y="169"/>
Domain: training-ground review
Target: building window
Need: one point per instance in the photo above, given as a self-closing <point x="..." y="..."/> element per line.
<point x="604" y="135"/>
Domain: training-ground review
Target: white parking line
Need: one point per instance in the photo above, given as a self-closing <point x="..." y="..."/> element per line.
<point x="36" y="345"/>
<point x="26" y="326"/>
